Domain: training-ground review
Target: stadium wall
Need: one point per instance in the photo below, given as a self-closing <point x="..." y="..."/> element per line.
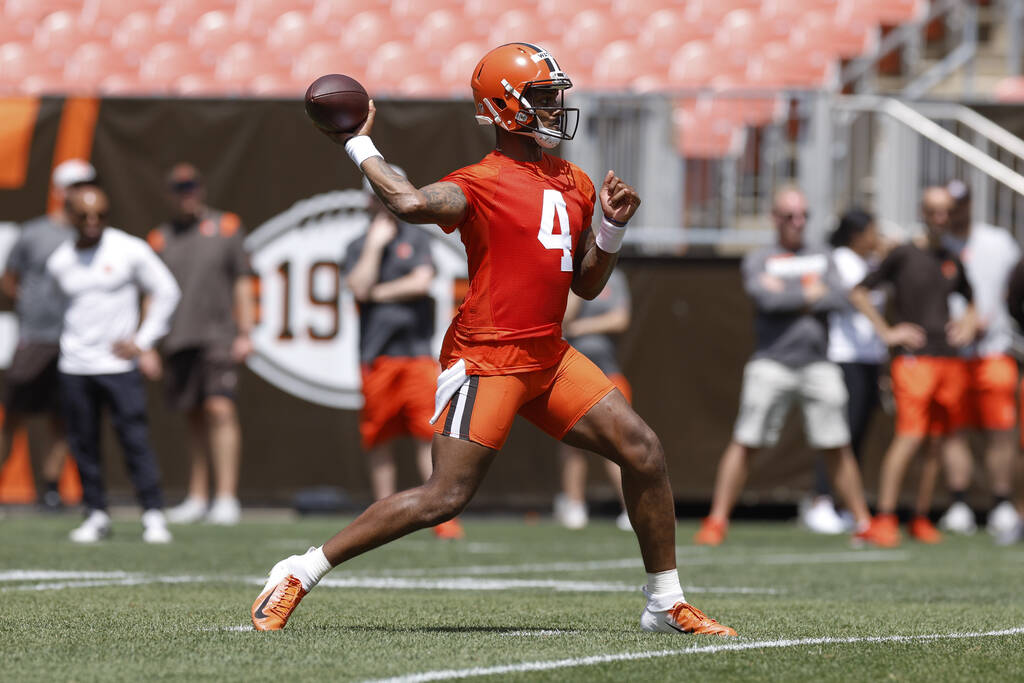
<point x="684" y="354"/>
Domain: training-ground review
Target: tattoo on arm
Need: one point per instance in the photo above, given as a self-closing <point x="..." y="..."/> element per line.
<point x="445" y="203"/>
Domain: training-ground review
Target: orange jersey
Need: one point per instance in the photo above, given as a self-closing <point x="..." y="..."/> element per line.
<point x="522" y="226"/>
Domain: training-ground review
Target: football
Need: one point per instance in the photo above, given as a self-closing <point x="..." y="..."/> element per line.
<point x="337" y="103"/>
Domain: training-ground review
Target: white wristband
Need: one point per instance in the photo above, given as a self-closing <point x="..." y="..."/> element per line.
<point x="609" y="236"/>
<point x="360" y="148"/>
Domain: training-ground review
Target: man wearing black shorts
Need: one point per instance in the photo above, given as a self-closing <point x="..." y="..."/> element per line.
<point x="31" y="381"/>
<point x="209" y="337"/>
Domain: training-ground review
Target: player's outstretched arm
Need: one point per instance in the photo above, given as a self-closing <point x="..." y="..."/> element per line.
<point x="597" y="254"/>
<point x="439" y="203"/>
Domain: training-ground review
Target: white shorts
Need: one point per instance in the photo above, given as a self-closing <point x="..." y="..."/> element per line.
<point x="769" y="388"/>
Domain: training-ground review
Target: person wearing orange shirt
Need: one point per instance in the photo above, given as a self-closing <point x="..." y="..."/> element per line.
<point x="524" y="217"/>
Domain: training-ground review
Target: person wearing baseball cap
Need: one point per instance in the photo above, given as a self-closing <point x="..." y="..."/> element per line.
<point x="31" y="380"/>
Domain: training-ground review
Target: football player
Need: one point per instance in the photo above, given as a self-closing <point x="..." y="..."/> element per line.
<point x="524" y="217"/>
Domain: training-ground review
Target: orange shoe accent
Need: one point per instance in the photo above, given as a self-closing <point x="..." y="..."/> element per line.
<point x="688" y="619"/>
<point x="452" y="529"/>
<point x="711" y="532"/>
<point x="921" y="529"/>
<point x="70" y="484"/>
<point x="883" y="531"/>
<point x="272" y="608"/>
<point x="17" y="484"/>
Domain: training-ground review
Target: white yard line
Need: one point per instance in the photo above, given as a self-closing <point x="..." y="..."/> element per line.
<point x="523" y="667"/>
<point x="43" y="574"/>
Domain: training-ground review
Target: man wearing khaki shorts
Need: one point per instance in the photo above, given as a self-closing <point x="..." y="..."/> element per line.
<point x="793" y="287"/>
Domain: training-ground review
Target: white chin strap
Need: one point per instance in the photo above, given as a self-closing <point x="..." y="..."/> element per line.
<point x="546" y="139"/>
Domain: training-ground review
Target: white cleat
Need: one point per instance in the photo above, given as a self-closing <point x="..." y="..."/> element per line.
<point x="189" y="511"/>
<point x="95" y="528"/>
<point x="622" y="522"/>
<point x="154" y="527"/>
<point x="225" y="512"/>
<point x="1002" y="519"/>
<point x="821" y="517"/>
<point x="570" y="514"/>
<point x="959" y="519"/>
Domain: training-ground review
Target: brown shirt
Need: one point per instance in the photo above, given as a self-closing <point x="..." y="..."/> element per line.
<point x="206" y="257"/>
<point x="922" y="280"/>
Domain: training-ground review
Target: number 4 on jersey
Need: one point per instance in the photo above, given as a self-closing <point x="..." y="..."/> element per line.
<point x="555" y="204"/>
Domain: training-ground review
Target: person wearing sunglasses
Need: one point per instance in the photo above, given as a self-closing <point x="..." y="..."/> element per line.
<point x="794" y="286"/>
<point x="102" y="273"/>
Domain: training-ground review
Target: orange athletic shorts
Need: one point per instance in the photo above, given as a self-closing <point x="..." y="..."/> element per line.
<point x="398" y="399"/>
<point x="554" y="399"/>
<point x="623" y="385"/>
<point x="930" y="393"/>
<point x="992" y="393"/>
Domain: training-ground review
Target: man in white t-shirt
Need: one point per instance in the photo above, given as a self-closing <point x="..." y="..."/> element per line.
<point x="989" y="255"/>
<point x="101" y="272"/>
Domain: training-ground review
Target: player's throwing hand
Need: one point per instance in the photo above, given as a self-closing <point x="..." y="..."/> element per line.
<point x="619" y="201"/>
<point x="342" y="138"/>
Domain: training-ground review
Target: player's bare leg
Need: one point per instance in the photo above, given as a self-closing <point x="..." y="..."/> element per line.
<point x="458" y="468"/>
<point x="848" y="484"/>
<point x="450" y="529"/>
<point x="383" y="473"/>
<point x="613" y="429"/>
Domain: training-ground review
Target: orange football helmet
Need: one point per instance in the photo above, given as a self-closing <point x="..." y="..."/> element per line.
<point x="500" y="84"/>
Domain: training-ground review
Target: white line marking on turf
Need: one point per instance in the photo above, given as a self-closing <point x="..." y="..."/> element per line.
<point x="243" y="627"/>
<point x="856" y="556"/>
<point x="41" y="574"/>
<point x="540" y="632"/>
<point x="700" y="649"/>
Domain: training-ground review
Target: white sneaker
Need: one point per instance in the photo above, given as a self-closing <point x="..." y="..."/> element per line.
<point x="154" y="527"/>
<point x="570" y="514"/>
<point x="189" y="511"/>
<point x="224" y="511"/>
<point x="1002" y="519"/>
<point x="821" y="517"/>
<point x="95" y="528"/>
<point x="622" y="521"/>
<point x="959" y="519"/>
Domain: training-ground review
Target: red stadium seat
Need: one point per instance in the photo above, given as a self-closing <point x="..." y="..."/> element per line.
<point x="481" y="16"/>
<point x="420" y="85"/>
<point x="701" y="135"/>
<point x="324" y="58"/>
<point x="745" y="28"/>
<point x="823" y="31"/>
<point x="134" y="35"/>
<point x="519" y="25"/>
<point x="561" y="12"/>
<point x="91" y="63"/>
<point x="587" y="34"/>
<point x="630" y="15"/>
<point x="458" y="68"/>
<point x="56" y="36"/>
<point x="797" y="67"/>
<point x="291" y="32"/>
<point x="746" y="101"/>
<point x="254" y="17"/>
<point x="276" y="85"/>
<point x="208" y="36"/>
<point x="437" y="32"/>
<point x="165" y="63"/>
<point x="407" y="15"/>
<point x="392" y="63"/>
<point x="693" y="66"/>
<point x="174" y="18"/>
<point x="364" y="33"/>
<point x="715" y="10"/>
<point x="1010" y="89"/>
<point x="17" y="62"/>
<point x="331" y="15"/>
<point x="665" y="31"/>
<point x="887" y="12"/>
<point x="121" y="84"/>
<point x="43" y="83"/>
<point x="198" y="85"/>
<point x="243" y="62"/>
<point x="101" y="16"/>
<point x="618" y="65"/>
<point x="23" y="16"/>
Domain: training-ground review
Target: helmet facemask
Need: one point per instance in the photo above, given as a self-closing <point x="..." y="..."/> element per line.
<point x="546" y="99"/>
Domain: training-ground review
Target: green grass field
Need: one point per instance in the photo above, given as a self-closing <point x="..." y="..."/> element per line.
<point x="514" y="601"/>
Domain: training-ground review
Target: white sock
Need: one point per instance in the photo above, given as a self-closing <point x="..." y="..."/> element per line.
<point x="663" y="590"/>
<point x="312" y="567"/>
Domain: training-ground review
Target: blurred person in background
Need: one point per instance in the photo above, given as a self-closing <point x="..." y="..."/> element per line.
<point x="1015" y="306"/>
<point x="928" y="380"/>
<point x="592" y="327"/>
<point x="209" y="337"/>
<point x="390" y="270"/>
<point x="102" y="271"/>
<point x="988" y="254"/>
<point x="31" y="379"/>
<point x="794" y="287"/>
<point x="855" y="347"/>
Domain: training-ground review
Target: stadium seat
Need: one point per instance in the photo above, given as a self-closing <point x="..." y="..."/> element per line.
<point x="748" y="101"/>
<point x="419" y="85"/>
<point x="715" y="10"/>
<point x="665" y="31"/>
<point x="331" y="15"/>
<point x="25" y="15"/>
<point x="56" y="36"/>
<point x="887" y="12"/>
<point x="481" y="15"/>
<point x="199" y="85"/>
<point x="618" y="64"/>
<point x="437" y="32"/>
<point x="390" y="64"/>
<point x="133" y="35"/>
<point x="408" y="15"/>
<point x="101" y="16"/>
<point x="1010" y="89"/>
<point x="630" y="15"/>
<point x="587" y="34"/>
<point x="120" y="84"/>
<point x="322" y="58"/>
<point x="276" y="85"/>
<point x="364" y="33"/>
<point x="693" y="65"/>
<point x="174" y="18"/>
<point x="799" y="67"/>
<point x="824" y="31"/>
<point x="165" y="63"/>
<point x="519" y="25"/>
<point x="254" y="17"/>
<point x="561" y="13"/>
<point x="17" y="62"/>
<point x="700" y="135"/>
<point x="244" y="61"/>
<point x="209" y="34"/>
<point x="43" y="83"/>
<point x="458" y="68"/>
<point x="291" y="32"/>
<point x="91" y="63"/>
<point x="745" y="28"/>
